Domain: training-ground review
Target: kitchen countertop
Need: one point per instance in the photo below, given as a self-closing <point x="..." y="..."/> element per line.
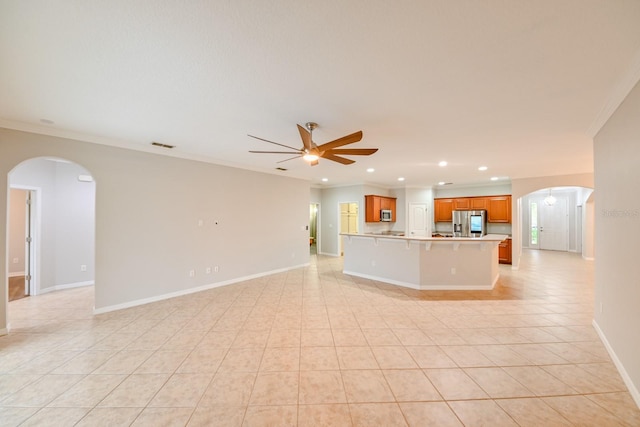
<point x="486" y="238"/>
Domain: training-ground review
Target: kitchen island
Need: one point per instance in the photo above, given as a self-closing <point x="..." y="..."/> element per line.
<point x="424" y="263"/>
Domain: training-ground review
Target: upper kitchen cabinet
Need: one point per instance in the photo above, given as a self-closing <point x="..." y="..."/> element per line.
<point x="373" y="204"/>
<point x="499" y="209"/>
<point x="478" y="203"/>
<point x="443" y="209"/>
<point x="461" y="204"/>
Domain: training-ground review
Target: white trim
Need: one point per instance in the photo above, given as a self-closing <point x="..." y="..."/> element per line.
<point x="328" y="254"/>
<point x="635" y="393"/>
<point x="16" y="274"/>
<point x="162" y="297"/>
<point x="66" y="286"/>
<point x="588" y="258"/>
<point x="426" y="288"/>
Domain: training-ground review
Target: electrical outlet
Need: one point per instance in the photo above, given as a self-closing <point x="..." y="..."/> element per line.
<point x="83" y="267"/>
<point x="453" y="270"/>
<point x="200" y="223"/>
<point x="207" y="270"/>
<point x="192" y="273"/>
<point x="215" y="268"/>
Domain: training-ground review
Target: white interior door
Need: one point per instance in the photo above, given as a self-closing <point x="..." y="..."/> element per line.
<point x="418" y="222"/>
<point x="553" y="225"/>
<point x="348" y="220"/>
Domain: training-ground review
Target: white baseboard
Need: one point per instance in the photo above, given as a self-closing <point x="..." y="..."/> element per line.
<point x="17" y="274"/>
<point x="328" y="254"/>
<point x="65" y="286"/>
<point x="588" y="258"/>
<point x="633" y="390"/>
<point x="191" y="291"/>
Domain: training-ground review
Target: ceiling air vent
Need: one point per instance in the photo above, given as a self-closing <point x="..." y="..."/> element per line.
<point x="158" y="144"/>
<point x="281" y="169"/>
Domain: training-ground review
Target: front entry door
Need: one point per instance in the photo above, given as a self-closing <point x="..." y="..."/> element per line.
<point x="552" y="223"/>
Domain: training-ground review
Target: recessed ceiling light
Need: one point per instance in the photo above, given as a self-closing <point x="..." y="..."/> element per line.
<point x="483" y="168"/>
<point x="371" y="170"/>
<point x="401" y="178"/>
<point x="441" y="183"/>
<point x="325" y="179"/>
<point x="445" y="183"/>
<point x="494" y="178"/>
<point x="442" y="164"/>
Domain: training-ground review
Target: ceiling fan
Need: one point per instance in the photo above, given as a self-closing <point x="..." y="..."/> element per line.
<point x="312" y="152"/>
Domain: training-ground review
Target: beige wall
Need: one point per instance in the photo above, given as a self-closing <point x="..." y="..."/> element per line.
<point x="148" y="209"/>
<point x="617" y="220"/>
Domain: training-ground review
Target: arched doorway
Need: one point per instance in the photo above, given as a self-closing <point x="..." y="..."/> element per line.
<point x="58" y="231"/>
<point x="557" y="218"/>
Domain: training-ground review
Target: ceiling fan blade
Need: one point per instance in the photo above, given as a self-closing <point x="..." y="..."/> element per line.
<point x="277" y="143"/>
<point x="290" y="158"/>
<point x="349" y="139"/>
<point x="276" y="152"/>
<point x="354" y="151"/>
<point x="329" y="156"/>
<point x="306" y="137"/>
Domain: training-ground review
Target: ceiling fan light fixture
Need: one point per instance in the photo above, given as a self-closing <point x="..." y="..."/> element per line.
<point x="310" y="157"/>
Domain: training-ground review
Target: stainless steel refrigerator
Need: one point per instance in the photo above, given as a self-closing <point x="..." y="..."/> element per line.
<point x="469" y="223"/>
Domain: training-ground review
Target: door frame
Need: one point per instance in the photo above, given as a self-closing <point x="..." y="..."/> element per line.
<point x="318" y="222"/>
<point x="34" y="248"/>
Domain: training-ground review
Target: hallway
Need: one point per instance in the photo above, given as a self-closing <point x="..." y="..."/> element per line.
<point x="314" y="347"/>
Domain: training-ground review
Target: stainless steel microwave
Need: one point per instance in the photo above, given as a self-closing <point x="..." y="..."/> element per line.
<point x="385" y="215"/>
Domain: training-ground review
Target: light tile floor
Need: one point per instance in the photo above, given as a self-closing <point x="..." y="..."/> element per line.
<point x="314" y="347"/>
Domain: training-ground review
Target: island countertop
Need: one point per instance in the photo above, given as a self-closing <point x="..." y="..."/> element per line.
<point x="426" y="263"/>
<point x="485" y="238"/>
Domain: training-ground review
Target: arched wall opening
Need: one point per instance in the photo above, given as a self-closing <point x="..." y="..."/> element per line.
<point x="61" y="253"/>
<point x="520" y="188"/>
<point x="556" y="218"/>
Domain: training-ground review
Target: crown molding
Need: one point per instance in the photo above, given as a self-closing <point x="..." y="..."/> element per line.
<point x="621" y="90"/>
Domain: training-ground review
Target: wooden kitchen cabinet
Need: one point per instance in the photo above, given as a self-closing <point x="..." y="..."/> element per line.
<point x="478" y="203"/>
<point x="373" y="204"/>
<point x="443" y="209"/>
<point x="499" y="209"/>
<point x="461" y="204"/>
<point x="504" y="252"/>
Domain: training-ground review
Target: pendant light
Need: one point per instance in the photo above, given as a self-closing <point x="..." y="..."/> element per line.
<point x="549" y="200"/>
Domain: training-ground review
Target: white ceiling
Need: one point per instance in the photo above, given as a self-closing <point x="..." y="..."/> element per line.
<point x="517" y="86"/>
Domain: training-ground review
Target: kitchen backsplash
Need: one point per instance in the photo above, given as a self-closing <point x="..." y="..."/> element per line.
<point x="492" y="228"/>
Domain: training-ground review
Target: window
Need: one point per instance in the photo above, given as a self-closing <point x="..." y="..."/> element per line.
<point x="533" y="220"/>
